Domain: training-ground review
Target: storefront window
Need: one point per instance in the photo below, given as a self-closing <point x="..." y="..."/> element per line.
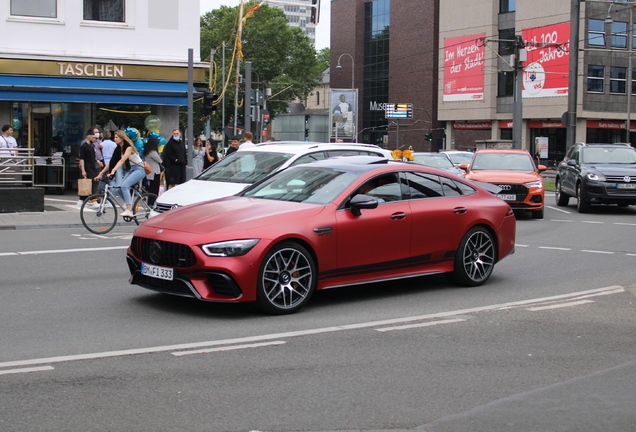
<point x="34" y="8"/>
<point x="104" y="10"/>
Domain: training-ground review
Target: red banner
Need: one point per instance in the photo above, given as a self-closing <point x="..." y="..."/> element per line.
<point x="541" y="124"/>
<point x="604" y="124"/>
<point x="464" y="68"/>
<point x="547" y="68"/>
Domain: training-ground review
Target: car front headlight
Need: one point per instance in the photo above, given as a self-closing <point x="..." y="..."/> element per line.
<point x="535" y="184"/>
<point x="231" y="248"/>
<point x="595" y="176"/>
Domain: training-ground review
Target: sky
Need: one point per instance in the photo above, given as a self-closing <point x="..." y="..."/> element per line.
<point x="322" y="29"/>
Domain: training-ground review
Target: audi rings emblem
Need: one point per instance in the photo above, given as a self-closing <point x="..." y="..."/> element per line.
<point x="155" y="252"/>
<point x="627" y="179"/>
<point x="505" y="187"/>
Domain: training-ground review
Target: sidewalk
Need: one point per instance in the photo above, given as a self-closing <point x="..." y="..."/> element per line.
<point x="60" y="211"/>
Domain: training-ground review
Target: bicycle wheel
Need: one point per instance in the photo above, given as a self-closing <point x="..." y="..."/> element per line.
<point x="98" y="214"/>
<point x="142" y="206"/>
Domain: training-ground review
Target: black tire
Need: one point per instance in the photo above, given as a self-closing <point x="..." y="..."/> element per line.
<point x="101" y="220"/>
<point x="142" y="206"/>
<point x="538" y="214"/>
<point x="562" y="199"/>
<point x="475" y="258"/>
<point x="286" y="280"/>
<point x="582" y="205"/>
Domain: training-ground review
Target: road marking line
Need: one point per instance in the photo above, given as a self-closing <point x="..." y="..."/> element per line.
<point x="287" y="335"/>
<point x="598" y="252"/>
<point x="593" y="222"/>
<point x="560" y="305"/>
<point x="41" y="252"/>
<point x="520" y="245"/>
<point x="426" y="324"/>
<point x="26" y="370"/>
<point x="631" y="254"/>
<point x="228" y="348"/>
<point x="560" y="220"/>
<point x="554" y="248"/>
<point x="558" y="209"/>
<point x="8" y="253"/>
<point x="627" y="224"/>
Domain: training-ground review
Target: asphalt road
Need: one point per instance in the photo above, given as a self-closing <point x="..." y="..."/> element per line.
<point x="546" y="345"/>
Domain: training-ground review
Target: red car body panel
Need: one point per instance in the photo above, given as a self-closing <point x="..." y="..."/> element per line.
<point x="396" y="239"/>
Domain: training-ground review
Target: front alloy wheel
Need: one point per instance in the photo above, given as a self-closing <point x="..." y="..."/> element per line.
<point x="582" y="205"/>
<point x="562" y="199"/>
<point x="475" y="258"/>
<point x="286" y="280"/>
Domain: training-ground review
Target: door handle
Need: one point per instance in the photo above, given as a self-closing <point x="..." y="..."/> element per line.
<point x="398" y="215"/>
<point x="459" y="210"/>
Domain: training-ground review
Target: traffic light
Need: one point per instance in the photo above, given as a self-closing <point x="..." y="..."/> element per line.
<point x="315" y="11"/>
<point x="428" y="136"/>
<point x="306" y="128"/>
<point x="208" y="99"/>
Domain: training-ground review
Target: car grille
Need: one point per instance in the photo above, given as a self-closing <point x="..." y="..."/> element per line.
<point x="160" y="208"/>
<point x="521" y="191"/>
<point x="176" y="287"/>
<point x="166" y="254"/>
<point x="619" y="179"/>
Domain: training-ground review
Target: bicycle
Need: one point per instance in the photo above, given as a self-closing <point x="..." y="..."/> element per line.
<point x="99" y="211"/>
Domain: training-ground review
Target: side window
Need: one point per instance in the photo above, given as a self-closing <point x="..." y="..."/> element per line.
<point x="336" y="153"/>
<point x="312" y="157"/>
<point x="421" y="185"/>
<point x="450" y="187"/>
<point x="575" y="155"/>
<point x="464" y="188"/>
<point x="385" y="188"/>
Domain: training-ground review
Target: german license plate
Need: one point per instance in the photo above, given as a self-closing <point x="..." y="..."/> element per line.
<point x="157" y="272"/>
<point x="626" y="185"/>
<point x="507" y="197"/>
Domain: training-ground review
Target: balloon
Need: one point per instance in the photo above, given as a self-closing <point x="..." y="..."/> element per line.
<point x="132" y="133"/>
<point x="139" y="145"/>
<point x="162" y="141"/>
<point x="152" y="122"/>
<point x="155" y="131"/>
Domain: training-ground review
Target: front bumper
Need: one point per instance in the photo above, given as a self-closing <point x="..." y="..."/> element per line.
<point x="609" y="192"/>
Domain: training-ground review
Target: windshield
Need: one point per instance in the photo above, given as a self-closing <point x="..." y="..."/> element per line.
<point x="302" y="184"/>
<point x="245" y="167"/>
<point x="433" y="160"/>
<point x="609" y="155"/>
<point x="502" y="162"/>
<point x="460" y="158"/>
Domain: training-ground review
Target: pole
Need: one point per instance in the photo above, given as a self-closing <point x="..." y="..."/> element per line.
<point x="212" y="52"/>
<point x="628" y="122"/>
<point x="238" y="67"/>
<point x="397" y="134"/>
<point x="190" y="137"/>
<point x="573" y="80"/>
<point x="517" y="111"/>
<point x="223" y="105"/>
<point x="247" y="104"/>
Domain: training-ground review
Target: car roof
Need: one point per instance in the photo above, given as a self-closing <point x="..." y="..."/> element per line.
<point x="352" y="163"/>
<point x="455" y="151"/>
<point x="618" y="144"/>
<point x="296" y="147"/>
<point x="520" y="151"/>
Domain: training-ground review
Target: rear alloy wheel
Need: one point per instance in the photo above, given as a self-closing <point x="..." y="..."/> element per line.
<point x="562" y="199"/>
<point x="582" y="205"/>
<point x="475" y="258"/>
<point x="286" y="280"/>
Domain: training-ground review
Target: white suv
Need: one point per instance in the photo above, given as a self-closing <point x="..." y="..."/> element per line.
<point x="243" y="168"/>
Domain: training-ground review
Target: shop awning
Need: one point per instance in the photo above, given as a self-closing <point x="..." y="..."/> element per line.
<point x="103" y="91"/>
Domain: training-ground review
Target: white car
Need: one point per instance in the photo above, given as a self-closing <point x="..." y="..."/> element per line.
<point x="459" y="157"/>
<point x="243" y="168"/>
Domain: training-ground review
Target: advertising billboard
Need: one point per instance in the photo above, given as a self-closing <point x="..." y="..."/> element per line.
<point x="546" y="71"/>
<point x="464" y="68"/>
<point x="344" y="106"/>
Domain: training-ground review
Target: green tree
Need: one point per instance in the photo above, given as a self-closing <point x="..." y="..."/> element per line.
<point x="281" y="55"/>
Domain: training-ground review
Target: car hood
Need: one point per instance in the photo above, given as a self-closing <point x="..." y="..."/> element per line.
<point x="231" y="213"/>
<point x="194" y="191"/>
<point x="613" y="169"/>
<point x="503" y="176"/>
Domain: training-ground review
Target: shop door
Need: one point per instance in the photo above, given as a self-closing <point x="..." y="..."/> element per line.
<point x="42" y="134"/>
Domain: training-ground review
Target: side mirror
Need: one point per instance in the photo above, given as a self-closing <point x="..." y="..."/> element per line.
<point x="360" y="201"/>
<point x="464" y="167"/>
<point x="571" y="162"/>
<point x="542" y="168"/>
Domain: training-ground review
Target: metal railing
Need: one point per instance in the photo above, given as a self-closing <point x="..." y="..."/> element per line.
<point x="19" y="167"/>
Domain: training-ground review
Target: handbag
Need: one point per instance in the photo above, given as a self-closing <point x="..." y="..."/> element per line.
<point x="84" y="186"/>
<point x="147" y="168"/>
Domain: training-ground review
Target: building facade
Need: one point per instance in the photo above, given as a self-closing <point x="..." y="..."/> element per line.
<point x="387" y="51"/>
<point x="62" y="60"/>
<point x="300" y="16"/>
<point x="478" y="50"/>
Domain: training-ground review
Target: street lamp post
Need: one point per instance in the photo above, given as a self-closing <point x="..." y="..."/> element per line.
<point x="338" y="66"/>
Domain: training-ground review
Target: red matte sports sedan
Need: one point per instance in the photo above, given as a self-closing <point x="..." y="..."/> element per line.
<point x="327" y="224"/>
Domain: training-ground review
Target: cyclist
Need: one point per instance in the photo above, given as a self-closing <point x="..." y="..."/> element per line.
<point x="135" y="173"/>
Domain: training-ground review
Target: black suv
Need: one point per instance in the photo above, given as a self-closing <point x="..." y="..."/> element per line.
<point x="597" y="174"/>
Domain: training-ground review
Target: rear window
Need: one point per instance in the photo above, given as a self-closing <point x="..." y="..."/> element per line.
<point x="245" y="167"/>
